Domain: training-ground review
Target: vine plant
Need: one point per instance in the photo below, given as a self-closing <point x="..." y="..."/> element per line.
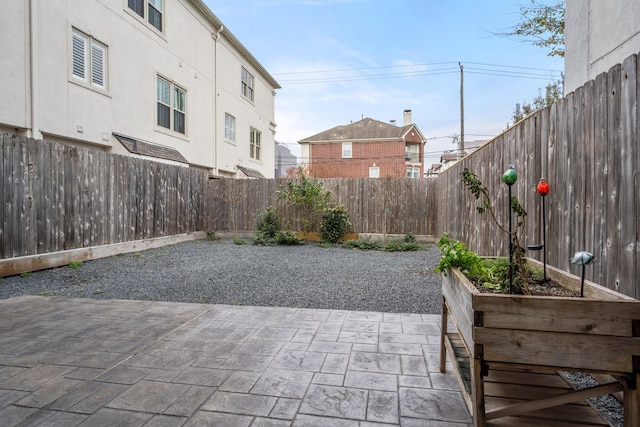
<point x="473" y="183"/>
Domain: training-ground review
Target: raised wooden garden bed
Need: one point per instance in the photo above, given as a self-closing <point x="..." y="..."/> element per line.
<point x="599" y="333"/>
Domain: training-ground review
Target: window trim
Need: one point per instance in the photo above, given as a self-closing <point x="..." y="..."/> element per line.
<point x="230" y="131"/>
<point x="90" y="46"/>
<point x="171" y="105"/>
<point x="411" y="170"/>
<point x="376" y="168"/>
<point x="255" y="144"/>
<point x="247" y="86"/>
<point x="144" y="18"/>
<point x="349" y="151"/>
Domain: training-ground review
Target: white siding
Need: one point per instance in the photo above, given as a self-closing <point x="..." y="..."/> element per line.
<point x="183" y="53"/>
<point x="598" y="35"/>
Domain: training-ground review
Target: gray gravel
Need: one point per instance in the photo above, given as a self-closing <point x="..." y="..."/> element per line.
<point x="309" y="276"/>
<point x="220" y="272"/>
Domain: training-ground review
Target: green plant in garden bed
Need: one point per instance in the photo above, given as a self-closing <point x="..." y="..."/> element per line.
<point x="309" y="198"/>
<point x="334" y="224"/>
<point x="489" y="274"/>
<point x="270" y="231"/>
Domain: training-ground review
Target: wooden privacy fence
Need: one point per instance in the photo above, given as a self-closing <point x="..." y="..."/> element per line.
<point x="387" y="205"/>
<point x="58" y="197"/>
<point x="587" y="146"/>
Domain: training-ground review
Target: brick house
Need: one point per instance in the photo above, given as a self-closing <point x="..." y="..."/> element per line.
<point x="366" y="149"/>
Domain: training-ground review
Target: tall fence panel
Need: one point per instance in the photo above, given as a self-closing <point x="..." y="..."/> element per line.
<point x="387" y="205"/>
<point x="587" y="146"/>
<point x="58" y="197"/>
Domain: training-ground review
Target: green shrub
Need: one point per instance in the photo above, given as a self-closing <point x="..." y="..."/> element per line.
<point x="239" y="241"/>
<point x="269" y="223"/>
<point x="409" y="237"/>
<point x="309" y="198"/>
<point x="363" y="244"/>
<point x="75" y="264"/>
<point x="287" y="238"/>
<point x="400" y="246"/>
<point x="334" y="224"/>
<point x="211" y="235"/>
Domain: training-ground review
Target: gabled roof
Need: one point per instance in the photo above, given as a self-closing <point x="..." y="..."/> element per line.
<point x="365" y="129"/>
<point x="148" y="149"/>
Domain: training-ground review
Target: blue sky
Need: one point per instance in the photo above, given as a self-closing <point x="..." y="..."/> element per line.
<point x="340" y="60"/>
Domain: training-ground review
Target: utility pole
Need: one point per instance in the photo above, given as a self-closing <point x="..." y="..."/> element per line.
<point x="461" y="109"/>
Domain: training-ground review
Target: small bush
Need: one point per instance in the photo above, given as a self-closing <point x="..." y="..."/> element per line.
<point x="409" y="238"/>
<point x="239" y="241"/>
<point x="362" y="244"/>
<point x="334" y="224"/>
<point x="75" y="264"/>
<point x="400" y="246"/>
<point x="287" y="238"/>
<point x="269" y="223"/>
<point x="211" y="235"/>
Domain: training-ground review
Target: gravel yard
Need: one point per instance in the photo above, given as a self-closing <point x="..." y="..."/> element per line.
<point x="220" y="272"/>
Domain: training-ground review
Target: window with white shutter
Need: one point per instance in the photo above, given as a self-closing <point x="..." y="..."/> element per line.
<point x="88" y="60"/>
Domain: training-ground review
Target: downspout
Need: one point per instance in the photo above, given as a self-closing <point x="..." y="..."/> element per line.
<point x="33" y="44"/>
<point x="215" y="101"/>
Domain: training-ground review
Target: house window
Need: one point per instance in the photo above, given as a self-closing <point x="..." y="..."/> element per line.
<point x="346" y="150"/>
<point x="88" y="60"/>
<point x="374" y="172"/>
<point x="412" y="153"/>
<point x="151" y="9"/>
<point x="413" y="172"/>
<point x="229" y="127"/>
<point x="254" y="147"/>
<point x="247" y="87"/>
<point x="171" y="101"/>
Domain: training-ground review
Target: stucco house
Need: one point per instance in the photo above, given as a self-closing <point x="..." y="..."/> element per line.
<point x="367" y="148"/>
<point x="598" y="35"/>
<point x="158" y="79"/>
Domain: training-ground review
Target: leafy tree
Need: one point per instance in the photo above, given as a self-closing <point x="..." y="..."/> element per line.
<point x="541" y="25"/>
<point x="553" y="92"/>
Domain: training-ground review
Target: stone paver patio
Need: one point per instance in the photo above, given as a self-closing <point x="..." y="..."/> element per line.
<point x="93" y="362"/>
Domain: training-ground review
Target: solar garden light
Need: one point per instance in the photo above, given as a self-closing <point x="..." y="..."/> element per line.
<point x="543" y="190"/>
<point x="509" y="177"/>
<point x="582" y="258"/>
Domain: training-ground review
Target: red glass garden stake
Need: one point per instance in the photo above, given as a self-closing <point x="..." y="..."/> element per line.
<point x="543" y="190"/>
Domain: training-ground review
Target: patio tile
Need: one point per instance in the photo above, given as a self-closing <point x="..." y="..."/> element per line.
<point x="383" y="407"/>
<point x="401" y="348"/>
<point x="433" y="405"/>
<point x="335" y="363"/>
<point x="415" y="381"/>
<point x="53" y="419"/>
<point x="12" y="415"/>
<point x="165" y="421"/>
<point x="268" y="422"/>
<point x="116" y="418"/>
<point x="330" y="347"/>
<point x="403" y="338"/>
<point x="358" y="337"/>
<point x="276" y="334"/>
<point x="315" y="421"/>
<point x="247" y="362"/>
<point x="34" y="378"/>
<point x="50" y="393"/>
<point x="240" y="381"/>
<point x="371" y="381"/>
<point x="187" y="404"/>
<point x="240" y="403"/>
<point x="285" y="408"/>
<point x="298" y="360"/>
<point x="202" y="376"/>
<point x="123" y="375"/>
<point x="327" y="379"/>
<point x="332" y="401"/>
<point x="203" y="419"/>
<point x="375" y="362"/>
<point x="283" y="383"/>
<point x="413" y="365"/>
<point x="262" y="347"/>
<point x="148" y="396"/>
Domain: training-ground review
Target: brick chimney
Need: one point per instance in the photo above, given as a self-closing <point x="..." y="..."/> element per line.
<point x="407" y="117"/>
